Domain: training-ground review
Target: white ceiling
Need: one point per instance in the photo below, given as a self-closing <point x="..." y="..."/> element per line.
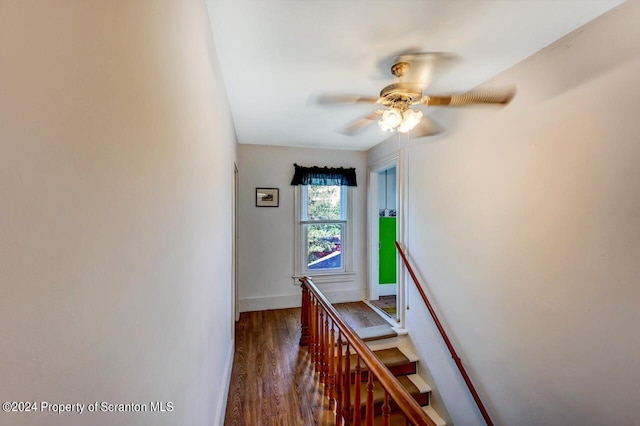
<point x="276" y="55"/>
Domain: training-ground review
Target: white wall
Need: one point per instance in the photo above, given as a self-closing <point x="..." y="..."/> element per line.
<point x="116" y="155"/>
<point x="524" y="225"/>
<point x="266" y="244"/>
<point x="387" y="189"/>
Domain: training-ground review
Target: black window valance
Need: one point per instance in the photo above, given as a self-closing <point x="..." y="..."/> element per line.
<point x="324" y="176"/>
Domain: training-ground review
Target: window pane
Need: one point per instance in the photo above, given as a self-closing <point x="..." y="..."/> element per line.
<point x="324" y="246"/>
<point x="323" y="203"/>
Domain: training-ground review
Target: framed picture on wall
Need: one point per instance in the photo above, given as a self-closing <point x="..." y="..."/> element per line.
<point x="267" y="197"/>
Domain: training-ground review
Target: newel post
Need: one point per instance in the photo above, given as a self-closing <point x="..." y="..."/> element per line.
<point x="304" y="315"/>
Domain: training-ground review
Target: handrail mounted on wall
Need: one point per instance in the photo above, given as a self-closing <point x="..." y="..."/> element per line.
<point x="443" y="333"/>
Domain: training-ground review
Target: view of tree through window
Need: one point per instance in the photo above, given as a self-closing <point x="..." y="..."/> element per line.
<point x="323" y="203"/>
<point x="324" y="239"/>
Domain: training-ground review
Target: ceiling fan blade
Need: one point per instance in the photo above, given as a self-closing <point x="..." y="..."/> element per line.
<point x="426" y="127"/>
<point x="472" y="97"/>
<point x="357" y="126"/>
<point x="345" y="99"/>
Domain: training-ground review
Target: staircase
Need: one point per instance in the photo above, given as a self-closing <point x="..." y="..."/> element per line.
<point x="364" y="382"/>
<point x="392" y="387"/>
<point x="398" y="357"/>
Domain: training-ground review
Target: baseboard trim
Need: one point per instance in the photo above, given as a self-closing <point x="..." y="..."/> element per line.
<point x="222" y="400"/>
<point x="283" y="301"/>
<point x="387" y="289"/>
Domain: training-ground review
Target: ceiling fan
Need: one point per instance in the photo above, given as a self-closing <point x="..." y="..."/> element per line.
<point x="400" y="100"/>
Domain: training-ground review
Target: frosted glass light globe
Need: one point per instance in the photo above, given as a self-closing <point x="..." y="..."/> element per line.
<point x="391" y="117"/>
<point x="410" y="119"/>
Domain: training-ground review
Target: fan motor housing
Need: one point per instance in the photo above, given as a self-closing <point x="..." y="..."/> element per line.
<point x="401" y="93"/>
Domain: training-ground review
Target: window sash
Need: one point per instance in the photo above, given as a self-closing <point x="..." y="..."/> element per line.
<point x="320" y="222"/>
<point x="304" y="216"/>
<point x="329" y="257"/>
<point x="305" y="223"/>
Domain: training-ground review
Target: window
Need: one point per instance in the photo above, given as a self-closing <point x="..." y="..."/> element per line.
<point x="323" y="234"/>
<point x="323" y="223"/>
<point x="323" y="220"/>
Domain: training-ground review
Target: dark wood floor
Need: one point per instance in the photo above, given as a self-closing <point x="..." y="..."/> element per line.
<point x="386" y="304"/>
<point x="272" y="381"/>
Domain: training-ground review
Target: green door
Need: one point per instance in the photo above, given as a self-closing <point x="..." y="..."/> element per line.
<point x="387" y="253"/>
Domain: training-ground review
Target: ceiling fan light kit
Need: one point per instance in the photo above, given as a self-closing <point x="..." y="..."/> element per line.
<point x="394" y="119"/>
<point x="410" y="118"/>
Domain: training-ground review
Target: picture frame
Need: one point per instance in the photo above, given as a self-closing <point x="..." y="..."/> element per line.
<point x="267" y="197"/>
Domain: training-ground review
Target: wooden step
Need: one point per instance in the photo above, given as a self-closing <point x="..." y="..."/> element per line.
<point x="439" y="421"/>
<point x="416" y="387"/>
<point x="378" y="332"/>
<point x="399" y="419"/>
<point x="366" y="322"/>
<point x="398" y="360"/>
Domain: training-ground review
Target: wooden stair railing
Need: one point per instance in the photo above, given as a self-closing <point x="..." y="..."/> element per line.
<point x="443" y="333"/>
<point x="330" y="344"/>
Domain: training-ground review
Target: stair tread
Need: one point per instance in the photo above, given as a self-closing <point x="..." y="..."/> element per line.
<point x="378" y="390"/>
<point x="390" y="357"/>
<point x="399" y="419"/>
<point x="439" y="421"/>
<point x="376" y="332"/>
<point x="409" y="354"/>
<point x="419" y="382"/>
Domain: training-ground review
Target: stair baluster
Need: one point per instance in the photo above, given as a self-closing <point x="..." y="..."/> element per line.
<point x="369" y="406"/>
<point x="339" y="382"/>
<point x="313" y="334"/>
<point x="357" y="398"/>
<point x="322" y="351"/>
<point x="304" y="334"/>
<point x="331" y="382"/>
<point x="347" y="386"/>
<point x="386" y="410"/>
<point x="325" y="352"/>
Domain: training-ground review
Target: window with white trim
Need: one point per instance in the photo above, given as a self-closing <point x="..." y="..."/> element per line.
<point x="324" y="221"/>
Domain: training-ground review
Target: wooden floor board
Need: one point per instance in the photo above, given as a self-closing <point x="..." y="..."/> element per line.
<point x="272" y="382"/>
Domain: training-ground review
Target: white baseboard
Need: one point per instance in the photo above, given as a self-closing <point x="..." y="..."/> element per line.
<point x="387" y="289"/>
<point x="221" y="408"/>
<point x="341" y="296"/>
<point x="284" y="301"/>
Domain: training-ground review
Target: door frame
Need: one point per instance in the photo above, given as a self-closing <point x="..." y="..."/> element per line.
<point x="395" y="159"/>
<point x="235" y="305"/>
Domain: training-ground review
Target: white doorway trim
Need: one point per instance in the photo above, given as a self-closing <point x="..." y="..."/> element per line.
<point x="235" y="308"/>
<point x="393" y="160"/>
